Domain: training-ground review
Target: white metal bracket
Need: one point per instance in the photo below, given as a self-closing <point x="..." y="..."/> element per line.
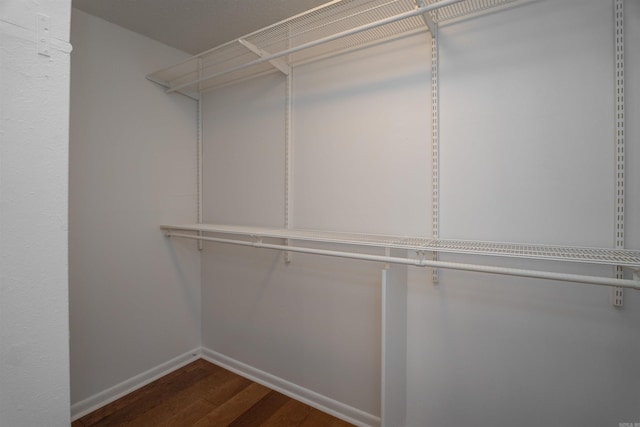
<point x="617" y="293"/>
<point x="43" y="35"/>
<point x="427" y="18"/>
<point x="387" y="253"/>
<point x="278" y="63"/>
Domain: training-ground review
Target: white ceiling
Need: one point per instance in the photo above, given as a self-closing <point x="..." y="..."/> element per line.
<point x="194" y="25"/>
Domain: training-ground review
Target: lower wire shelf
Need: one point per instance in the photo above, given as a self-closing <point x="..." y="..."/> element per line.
<point x="421" y="245"/>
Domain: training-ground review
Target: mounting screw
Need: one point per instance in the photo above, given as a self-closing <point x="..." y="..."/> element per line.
<point x="43" y="35"/>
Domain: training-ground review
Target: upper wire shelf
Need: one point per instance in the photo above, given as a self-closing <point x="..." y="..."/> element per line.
<point x="614" y="257"/>
<point x="328" y="29"/>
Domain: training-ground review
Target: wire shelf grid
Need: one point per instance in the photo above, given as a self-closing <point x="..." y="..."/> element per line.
<point x="623" y="257"/>
<point x="464" y="8"/>
<point x="233" y="61"/>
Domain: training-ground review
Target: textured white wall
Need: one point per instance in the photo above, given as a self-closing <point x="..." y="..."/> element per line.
<point x="135" y="296"/>
<point x="527" y="155"/>
<point x="34" y="111"/>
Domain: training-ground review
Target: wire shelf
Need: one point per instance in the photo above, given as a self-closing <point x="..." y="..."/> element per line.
<point x="465" y="8"/>
<point x="617" y="257"/>
<point x="328" y="29"/>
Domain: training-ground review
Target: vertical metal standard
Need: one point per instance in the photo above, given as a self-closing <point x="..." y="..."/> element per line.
<point x="288" y="153"/>
<point x="435" y="146"/>
<point x="617" y="294"/>
<point x="199" y="154"/>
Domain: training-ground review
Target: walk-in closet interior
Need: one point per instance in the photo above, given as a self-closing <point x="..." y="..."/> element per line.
<point x="401" y="212"/>
<point x="315" y="180"/>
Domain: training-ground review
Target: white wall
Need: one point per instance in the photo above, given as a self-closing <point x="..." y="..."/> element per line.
<point x="135" y="296"/>
<point x="315" y="322"/>
<point x="527" y="155"/>
<point x="34" y="106"/>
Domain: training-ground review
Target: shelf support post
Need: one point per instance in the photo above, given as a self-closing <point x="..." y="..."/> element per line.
<point x="435" y="145"/>
<point x="199" y="154"/>
<point x="617" y="294"/>
<point x="288" y="152"/>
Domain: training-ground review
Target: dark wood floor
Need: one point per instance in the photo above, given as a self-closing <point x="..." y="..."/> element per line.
<point x="203" y="394"/>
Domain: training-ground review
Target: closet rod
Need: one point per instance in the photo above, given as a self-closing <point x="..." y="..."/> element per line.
<point x="548" y="275"/>
<point x="405" y="15"/>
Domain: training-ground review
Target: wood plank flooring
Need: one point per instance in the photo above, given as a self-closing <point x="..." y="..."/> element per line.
<point x="202" y="394"/>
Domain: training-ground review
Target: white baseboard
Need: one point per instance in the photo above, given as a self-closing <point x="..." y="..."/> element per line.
<point x="311" y="398"/>
<point x="107" y="396"/>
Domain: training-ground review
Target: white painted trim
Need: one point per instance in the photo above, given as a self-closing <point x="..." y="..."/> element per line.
<point x="311" y="398"/>
<point x="107" y="396"/>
